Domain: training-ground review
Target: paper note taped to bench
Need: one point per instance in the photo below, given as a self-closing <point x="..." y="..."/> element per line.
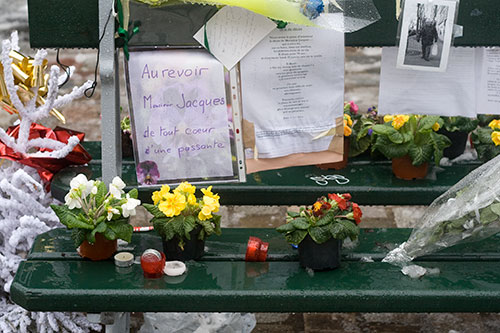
<point x="180" y="116"/>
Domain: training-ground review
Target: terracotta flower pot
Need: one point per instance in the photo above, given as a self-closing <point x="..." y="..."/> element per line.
<point x="320" y="257"/>
<point x="341" y="164"/>
<point x="404" y="169"/>
<point x="194" y="248"/>
<point x="102" y="249"/>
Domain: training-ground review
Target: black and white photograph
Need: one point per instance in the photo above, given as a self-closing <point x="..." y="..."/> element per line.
<point x="426" y="32"/>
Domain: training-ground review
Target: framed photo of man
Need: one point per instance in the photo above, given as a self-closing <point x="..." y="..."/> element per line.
<point x="426" y="34"/>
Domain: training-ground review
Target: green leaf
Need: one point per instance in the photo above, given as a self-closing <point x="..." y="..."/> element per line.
<point x="300" y="223"/>
<point x="495" y="208"/>
<point x="178" y="225"/>
<point x="328" y="218"/>
<point x="350" y="229"/>
<point x="101" y="227"/>
<point x="216" y="221"/>
<point x="287" y="227"/>
<point x="109" y="234"/>
<point x="122" y="229"/>
<point x="69" y="219"/>
<point x="320" y="234"/>
<point x="425" y="123"/>
<point x="293" y="214"/>
<point x="154" y="210"/>
<point x="101" y="194"/>
<point x="389" y="149"/>
<point x="486" y="215"/>
<point x="420" y="154"/>
<point x="78" y="236"/>
<point x="296" y="237"/>
<point x="390" y="132"/>
<point x="133" y="193"/>
<point x="164" y="227"/>
<point x="207" y="227"/>
<point x="189" y="224"/>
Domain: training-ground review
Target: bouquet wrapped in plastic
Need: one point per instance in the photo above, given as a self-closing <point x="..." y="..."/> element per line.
<point x="468" y="211"/>
<point x="340" y="15"/>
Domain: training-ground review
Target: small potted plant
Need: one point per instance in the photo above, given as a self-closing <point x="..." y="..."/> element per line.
<point x="486" y="140"/>
<point x="361" y="138"/>
<point x="184" y="221"/>
<point x="457" y="129"/>
<point x="411" y="141"/>
<point x="350" y="113"/>
<point x="97" y="216"/>
<point x="319" y="231"/>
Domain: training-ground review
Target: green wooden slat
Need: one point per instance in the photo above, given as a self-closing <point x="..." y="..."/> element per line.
<point x="370" y="183"/>
<point x="231" y="245"/>
<point x="73" y="23"/>
<point x="212" y="286"/>
<point x="66" y="24"/>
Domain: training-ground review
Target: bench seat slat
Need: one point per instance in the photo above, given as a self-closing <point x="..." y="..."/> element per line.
<point x="231" y="246"/>
<point x="257" y="287"/>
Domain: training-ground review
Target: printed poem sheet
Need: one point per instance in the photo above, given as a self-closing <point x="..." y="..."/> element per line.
<point x="293" y="89"/>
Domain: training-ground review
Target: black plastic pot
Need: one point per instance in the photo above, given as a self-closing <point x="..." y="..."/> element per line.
<point x="194" y="248"/>
<point x="458" y="142"/>
<point x="320" y="257"/>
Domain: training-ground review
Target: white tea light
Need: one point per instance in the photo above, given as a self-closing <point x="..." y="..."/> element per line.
<point x="124" y="259"/>
<point x="174" y="268"/>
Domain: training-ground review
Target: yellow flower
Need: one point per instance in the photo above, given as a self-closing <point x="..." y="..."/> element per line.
<point x="205" y="214"/>
<point x="494" y="124"/>
<point x="348" y="119"/>
<point x="347" y="130"/>
<point x="399" y="121"/>
<point x="211" y="203"/>
<point x="495" y="137"/>
<point x="317" y="206"/>
<point x="388" y="118"/>
<point x="436" y="127"/>
<point x="172" y="204"/>
<point x="191" y="199"/>
<point x="158" y="195"/>
<point x="186" y="188"/>
<point x="208" y="192"/>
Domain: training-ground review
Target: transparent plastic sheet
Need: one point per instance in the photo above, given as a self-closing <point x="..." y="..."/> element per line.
<point x="340" y="15"/>
<point x="469" y="211"/>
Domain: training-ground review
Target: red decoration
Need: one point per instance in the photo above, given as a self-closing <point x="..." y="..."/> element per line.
<point x="256" y="249"/>
<point x="45" y="166"/>
<point x="356" y="211"/>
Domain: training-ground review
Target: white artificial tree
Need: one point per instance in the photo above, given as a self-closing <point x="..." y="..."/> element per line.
<point x="24" y="203"/>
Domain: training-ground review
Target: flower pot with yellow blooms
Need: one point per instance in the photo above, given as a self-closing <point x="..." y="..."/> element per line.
<point x="411" y="141"/>
<point x="184" y="221"/>
<point x="486" y="140"/>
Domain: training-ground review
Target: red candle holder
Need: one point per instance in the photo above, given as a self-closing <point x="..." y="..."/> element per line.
<point x="256" y="249"/>
<point x="152" y="263"/>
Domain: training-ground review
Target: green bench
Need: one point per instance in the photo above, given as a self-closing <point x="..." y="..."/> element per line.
<point x="55" y="278"/>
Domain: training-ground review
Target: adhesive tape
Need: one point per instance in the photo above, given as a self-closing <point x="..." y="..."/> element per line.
<point x="174" y="268"/>
<point x="124" y="259"/>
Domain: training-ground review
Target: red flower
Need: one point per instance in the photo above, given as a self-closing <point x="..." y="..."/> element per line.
<point x="341" y="202"/>
<point x="346" y="196"/>
<point x="357" y="213"/>
<point x="354" y="108"/>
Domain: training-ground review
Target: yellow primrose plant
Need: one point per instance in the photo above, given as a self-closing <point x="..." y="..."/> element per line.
<point x="486" y="140"/>
<point x="177" y="213"/>
<point x="412" y="135"/>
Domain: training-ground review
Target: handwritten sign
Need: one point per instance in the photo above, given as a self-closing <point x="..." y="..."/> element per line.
<point x="181" y="119"/>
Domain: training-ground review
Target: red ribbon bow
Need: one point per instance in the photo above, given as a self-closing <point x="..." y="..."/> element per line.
<point x="46" y="166"/>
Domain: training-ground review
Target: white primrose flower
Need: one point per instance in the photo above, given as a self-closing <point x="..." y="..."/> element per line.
<point x="116" y="187"/>
<point x="72" y="199"/>
<point x="128" y="208"/>
<point x="82" y="184"/>
<point x="112" y="211"/>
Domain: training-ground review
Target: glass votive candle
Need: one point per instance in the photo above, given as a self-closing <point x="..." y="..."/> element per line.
<point x="152" y="263"/>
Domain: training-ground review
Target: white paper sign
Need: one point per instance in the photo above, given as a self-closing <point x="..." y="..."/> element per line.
<point x="180" y="117"/>
<point x="451" y="93"/>
<point x="293" y="89"/>
<point x="232" y="32"/>
<point x="489" y="85"/>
